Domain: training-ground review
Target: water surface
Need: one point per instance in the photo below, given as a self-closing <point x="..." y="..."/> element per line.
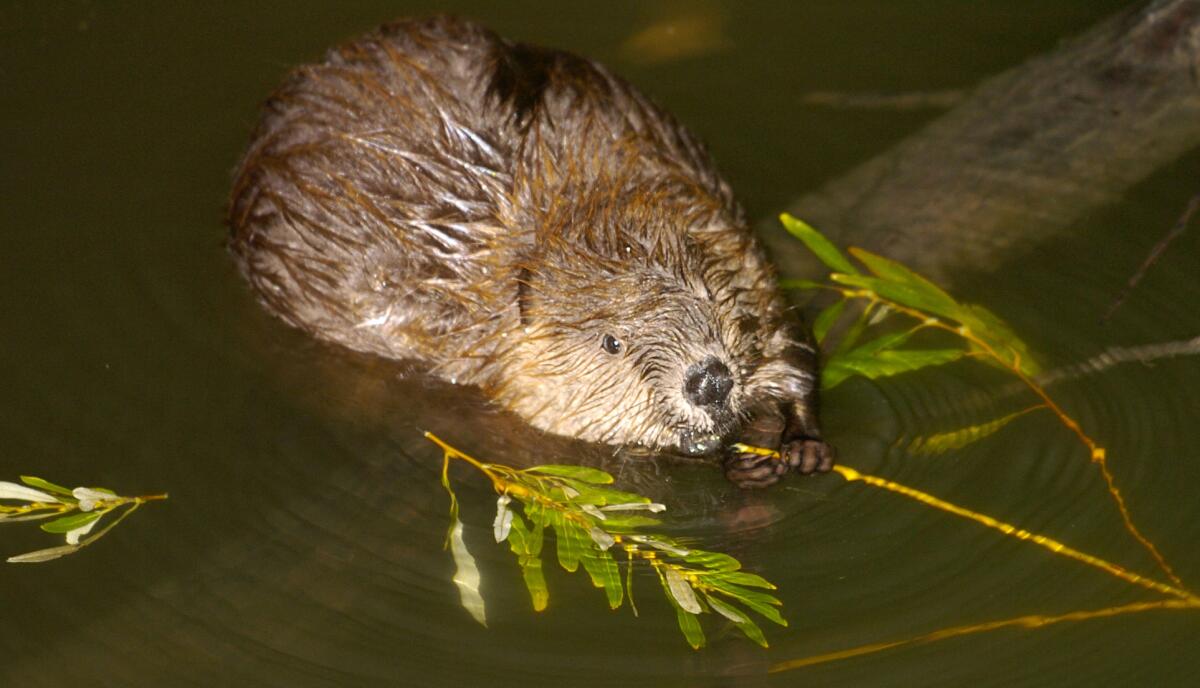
<point x="302" y="542"/>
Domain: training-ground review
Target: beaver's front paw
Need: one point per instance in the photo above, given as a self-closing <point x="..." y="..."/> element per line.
<point x="808" y="455"/>
<point x="753" y="469"/>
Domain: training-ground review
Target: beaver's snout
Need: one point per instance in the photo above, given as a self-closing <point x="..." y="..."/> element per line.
<point x="708" y="383"/>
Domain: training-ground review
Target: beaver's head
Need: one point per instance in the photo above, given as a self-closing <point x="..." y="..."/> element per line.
<point x="634" y="342"/>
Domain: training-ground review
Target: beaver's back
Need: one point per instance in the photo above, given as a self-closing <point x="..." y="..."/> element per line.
<point x="390" y="190"/>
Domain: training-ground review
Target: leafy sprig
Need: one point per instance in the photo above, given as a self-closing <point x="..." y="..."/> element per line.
<point x="75" y="513"/>
<point x="589" y="522"/>
<point x="888" y="288"/>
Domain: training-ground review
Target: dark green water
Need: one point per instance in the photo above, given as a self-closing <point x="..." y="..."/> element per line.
<point x="302" y="542"/>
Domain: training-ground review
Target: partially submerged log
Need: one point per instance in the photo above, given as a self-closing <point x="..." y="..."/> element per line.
<point x="1026" y="154"/>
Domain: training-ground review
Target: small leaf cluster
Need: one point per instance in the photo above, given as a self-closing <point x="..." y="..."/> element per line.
<point x="75" y="513"/>
<point x="889" y="288"/>
<point x="592" y="526"/>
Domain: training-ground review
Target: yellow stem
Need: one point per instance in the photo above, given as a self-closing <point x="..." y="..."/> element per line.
<point x="1095" y="451"/>
<point x="1031" y="621"/>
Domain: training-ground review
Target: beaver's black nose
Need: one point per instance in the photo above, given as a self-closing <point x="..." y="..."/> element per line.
<point x="708" y="383"/>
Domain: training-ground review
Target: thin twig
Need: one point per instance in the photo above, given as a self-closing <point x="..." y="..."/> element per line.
<point x="1155" y="253"/>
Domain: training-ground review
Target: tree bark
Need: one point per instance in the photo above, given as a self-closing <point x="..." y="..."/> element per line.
<point x="1025" y="155"/>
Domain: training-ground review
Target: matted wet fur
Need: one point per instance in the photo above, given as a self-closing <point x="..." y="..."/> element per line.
<point x="520" y="219"/>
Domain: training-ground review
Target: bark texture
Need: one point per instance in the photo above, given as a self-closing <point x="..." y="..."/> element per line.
<point x="1027" y="154"/>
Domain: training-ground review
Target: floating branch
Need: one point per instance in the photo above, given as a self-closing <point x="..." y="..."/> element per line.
<point x="888" y="288"/>
<point x="76" y="513"/>
<point x="590" y="521"/>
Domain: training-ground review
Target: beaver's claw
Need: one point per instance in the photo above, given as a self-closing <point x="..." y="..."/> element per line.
<point x="748" y="469"/>
<point x="808" y="455"/>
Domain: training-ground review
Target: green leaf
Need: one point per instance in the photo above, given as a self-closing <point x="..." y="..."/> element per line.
<point x="572" y="541"/>
<point x="900" y="293"/>
<point x="884" y="364"/>
<point x="45" y="485"/>
<point x="618" y="524"/>
<point x="816" y="242"/>
<point x="535" y="580"/>
<point x="743" y="622"/>
<point x="535" y="536"/>
<point x="935" y="300"/>
<point x="957" y="439"/>
<point x="69" y="523"/>
<point x="714" y="561"/>
<point x="587" y="475"/>
<point x="901" y="285"/>
<point x="884" y="343"/>
<point x="523" y="540"/>
<point x="690" y="625"/>
<point x="602" y="569"/>
<point x="741" y="578"/>
<point x="759" y="602"/>
<point x="826" y="319"/>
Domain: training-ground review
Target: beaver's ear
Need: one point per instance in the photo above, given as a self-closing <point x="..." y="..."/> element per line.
<point x="523" y="294"/>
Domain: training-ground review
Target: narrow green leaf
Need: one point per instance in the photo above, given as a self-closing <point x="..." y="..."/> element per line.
<point x="466" y="575"/>
<point x="937" y="300"/>
<point x="759" y="602"/>
<point x="884" y="343"/>
<point x="690" y="625"/>
<point x="69" y="523"/>
<point x="587" y="475"/>
<point x="900" y="293"/>
<point x="827" y="317"/>
<point x="537" y="529"/>
<point x="522" y="541"/>
<point x="851" y="335"/>
<point x="743" y="622"/>
<point x="816" y="242"/>
<point x="602" y="569"/>
<point x="619" y="524"/>
<point x="742" y="578"/>
<point x="571" y="541"/>
<point x="884" y="364"/>
<point x="943" y="442"/>
<point x="535" y="580"/>
<point x="714" y="561"/>
<point x="33" y="481"/>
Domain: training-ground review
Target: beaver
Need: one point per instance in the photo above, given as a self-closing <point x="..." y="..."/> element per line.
<point x="519" y="218"/>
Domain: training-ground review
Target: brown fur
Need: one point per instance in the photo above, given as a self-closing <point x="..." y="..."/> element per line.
<point x="433" y="192"/>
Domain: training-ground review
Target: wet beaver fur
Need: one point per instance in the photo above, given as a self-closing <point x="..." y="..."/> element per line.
<point x="521" y="219"/>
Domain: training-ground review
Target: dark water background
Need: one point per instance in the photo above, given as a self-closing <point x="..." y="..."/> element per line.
<point x="302" y="542"/>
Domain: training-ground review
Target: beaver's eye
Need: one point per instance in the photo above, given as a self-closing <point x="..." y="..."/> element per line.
<point x="611" y="344"/>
